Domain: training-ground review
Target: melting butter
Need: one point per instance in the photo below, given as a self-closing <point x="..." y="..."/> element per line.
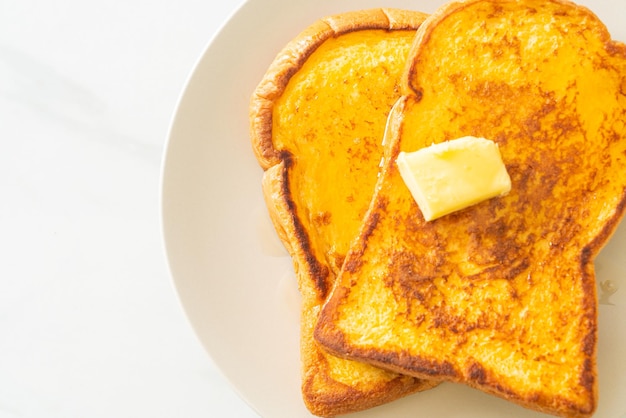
<point x="453" y="175"/>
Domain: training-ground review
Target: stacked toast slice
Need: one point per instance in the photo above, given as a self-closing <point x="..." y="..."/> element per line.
<point x="317" y="121"/>
<point x="501" y="295"/>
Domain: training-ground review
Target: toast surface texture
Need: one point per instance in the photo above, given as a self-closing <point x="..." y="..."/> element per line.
<point x="317" y="123"/>
<point x="500" y="296"/>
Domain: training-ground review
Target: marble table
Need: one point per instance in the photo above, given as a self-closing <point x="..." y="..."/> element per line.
<point x="89" y="322"/>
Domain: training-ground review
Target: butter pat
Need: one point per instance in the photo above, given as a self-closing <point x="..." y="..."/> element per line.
<point x="453" y="175"/>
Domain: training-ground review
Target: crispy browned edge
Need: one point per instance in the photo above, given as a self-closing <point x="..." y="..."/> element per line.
<point x="278" y="196"/>
<point x="334" y="341"/>
<point x="337" y="398"/>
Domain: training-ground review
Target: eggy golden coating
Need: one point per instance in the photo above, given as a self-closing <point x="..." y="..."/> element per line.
<point x="500" y="296"/>
<point x="317" y="123"/>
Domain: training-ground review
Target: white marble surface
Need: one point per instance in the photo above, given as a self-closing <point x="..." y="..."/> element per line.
<point x="89" y="322"/>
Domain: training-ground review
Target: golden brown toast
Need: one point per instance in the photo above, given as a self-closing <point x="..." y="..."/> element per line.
<point x="501" y="295"/>
<point x="317" y="122"/>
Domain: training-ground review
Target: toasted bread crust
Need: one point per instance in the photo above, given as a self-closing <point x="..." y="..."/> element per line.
<point x="330" y="386"/>
<point x="291" y="58"/>
<point x="469" y="291"/>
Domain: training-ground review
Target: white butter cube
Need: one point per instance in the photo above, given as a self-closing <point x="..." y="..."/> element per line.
<point x="453" y="175"/>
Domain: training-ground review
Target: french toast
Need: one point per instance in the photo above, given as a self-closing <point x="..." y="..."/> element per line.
<point x="499" y="296"/>
<point x="317" y="122"/>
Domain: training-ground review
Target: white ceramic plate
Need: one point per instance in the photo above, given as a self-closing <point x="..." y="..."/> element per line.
<point x="232" y="276"/>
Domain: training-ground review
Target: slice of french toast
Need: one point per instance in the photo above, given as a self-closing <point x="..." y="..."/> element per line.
<point x="317" y="122"/>
<point x="501" y="295"/>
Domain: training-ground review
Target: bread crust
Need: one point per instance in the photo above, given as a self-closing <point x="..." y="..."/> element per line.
<point x="291" y="58"/>
<point x="416" y="280"/>
<point x="323" y="392"/>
